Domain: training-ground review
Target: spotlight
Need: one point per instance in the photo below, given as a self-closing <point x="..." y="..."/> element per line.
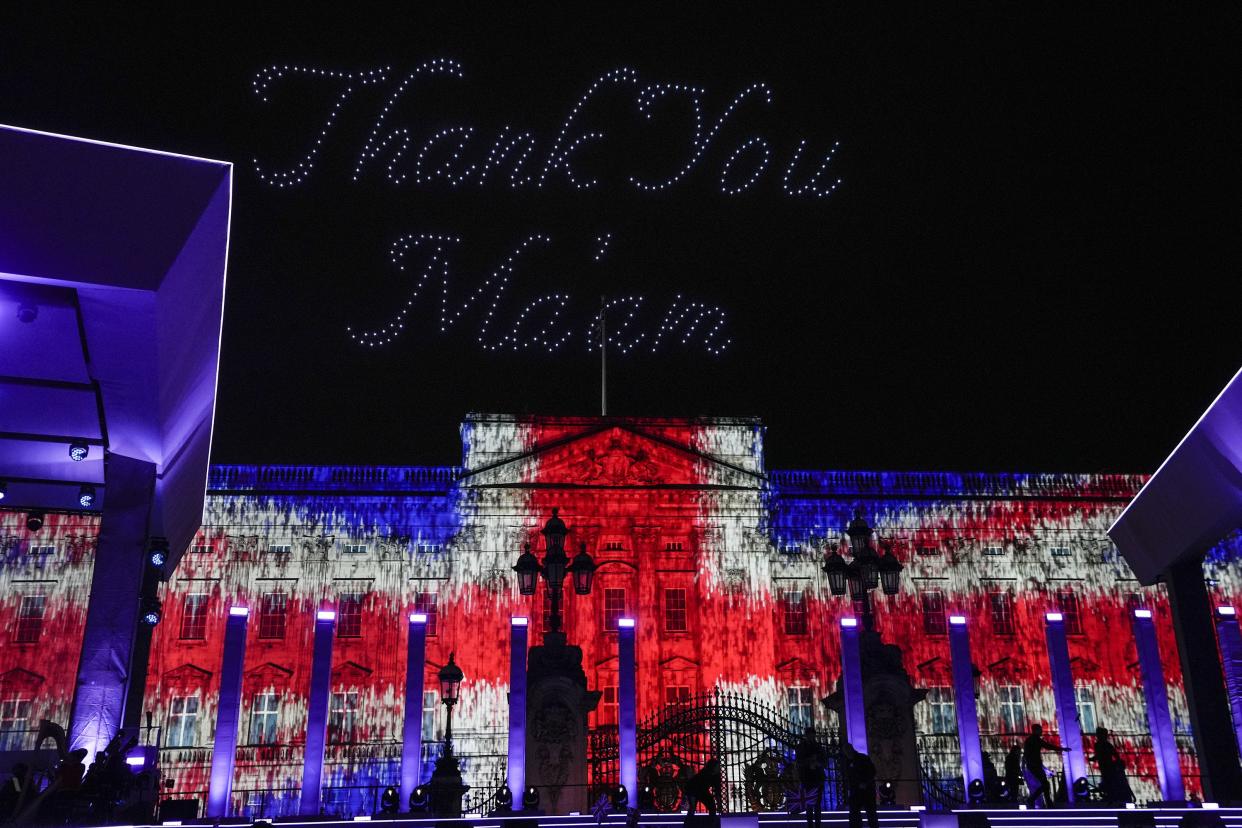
<point x="27" y="312"/>
<point x="504" y="798"/>
<point x="86" y="496"/>
<point x="975" y="790"/>
<point x="1081" y="787"/>
<point x="34" y="521"/>
<point x="4" y="488"/>
<point x="888" y="792"/>
<point x="157" y="555"/>
<point x="620" y="798"/>
<point x="78" y="452"/>
<point x="419" y="800"/>
<point x="390" y="801"/>
<point x="530" y="799"/>
<point x="151" y="611"/>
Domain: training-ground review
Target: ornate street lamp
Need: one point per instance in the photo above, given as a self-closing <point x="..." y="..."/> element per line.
<point x="527" y="569"/>
<point x="866" y="571"/>
<point x="555" y="566"/>
<point x="583" y="571"/>
<point x="835" y="566"/>
<point x="451" y="677"/>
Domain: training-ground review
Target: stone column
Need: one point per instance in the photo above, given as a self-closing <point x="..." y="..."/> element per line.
<point x="228" y="712"/>
<point x="1074" y="764"/>
<point x="964" y="702"/>
<point x="317" y="713"/>
<point x="1156" y="697"/>
<point x="518" y="627"/>
<point x="412" y="726"/>
<point x="627" y="709"/>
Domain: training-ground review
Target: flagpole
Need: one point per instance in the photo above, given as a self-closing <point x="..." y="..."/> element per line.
<point x="603" y="359"/>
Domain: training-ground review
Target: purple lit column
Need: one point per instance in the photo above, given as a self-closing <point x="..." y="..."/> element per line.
<point x="228" y="712"/>
<point x="317" y="713"/>
<point x="412" y="727"/>
<point x="517" y="709"/>
<point x="1230" y="639"/>
<point x="851" y="668"/>
<point x="1156" y="696"/>
<point x="964" y="701"/>
<point x="627" y="708"/>
<point x="1067" y="703"/>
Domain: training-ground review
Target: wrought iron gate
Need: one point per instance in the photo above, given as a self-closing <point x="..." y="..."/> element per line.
<point x="753" y="742"/>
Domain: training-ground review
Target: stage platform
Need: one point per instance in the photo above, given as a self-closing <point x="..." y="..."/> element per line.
<point x="1170" y="817"/>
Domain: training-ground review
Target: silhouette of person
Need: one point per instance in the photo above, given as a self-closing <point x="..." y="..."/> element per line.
<point x="1013" y="772"/>
<point x="860" y="787"/>
<point x="1113" y="780"/>
<point x="1036" y="776"/>
<point x="13" y="793"/>
<point x="810" y="759"/>
<point x="703" y="787"/>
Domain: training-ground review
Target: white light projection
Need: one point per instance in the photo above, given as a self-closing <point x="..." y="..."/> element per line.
<point x="463" y="156"/>
<point x="698" y="325"/>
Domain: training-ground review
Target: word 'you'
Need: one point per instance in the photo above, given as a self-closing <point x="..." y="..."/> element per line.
<point x="542" y="323"/>
<point x="466" y="155"/>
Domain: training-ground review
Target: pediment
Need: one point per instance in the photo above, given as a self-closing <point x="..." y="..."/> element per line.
<point x="268" y="674"/>
<point x="351" y="672"/>
<point x="617" y="455"/>
<point x="187" y="674"/>
<point x="19" y="678"/>
<point x="678" y="662"/>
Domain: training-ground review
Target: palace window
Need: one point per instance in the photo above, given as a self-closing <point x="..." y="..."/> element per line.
<point x="992" y="550"/>
<point x="1012" y="709"/>
<point x="940" y="704"/>
<point x="200" y="549"/>
<point x="928" y="551"/>
<point x="674" y="546"/>
<point x="342" y="717"/>
<point x="934" y="620"/>
<point x="1084" y="700"/>
<point x="1070" y="610"/>
<point x="43" y="549"/>
<point x="430" y="704"/>
<point x="279" y="548"/>
<point x="30" y="619"/>
<point x="801" y="707"/>
<point x="349" y="615"/>
<point x="614" y="607"/>
<point x="793" y="611"/>
<point x="194" y="617"/>
<point x="182" y="721"/>
<point x="14" y="722"/>
<point x="607" y="707"/>
<point x="263" y="710"/>
<point x="1000" y="603"/>
<point x="675" y="610"/>
<point x="272" y="615"/>
<point x="1060" y="551"/>
<point x="428" y="603"/>
<point x="614" y="546"/>
<point x="355" y="549"/>
<point x="676" y="694"/>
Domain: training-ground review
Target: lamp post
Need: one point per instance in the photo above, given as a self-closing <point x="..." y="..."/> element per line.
<point x="553" y="569"/>
<point x="447" y="788"/>
<point x="865" y="572"/>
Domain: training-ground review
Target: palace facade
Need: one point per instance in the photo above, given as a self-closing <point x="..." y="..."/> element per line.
<point x="718" y="558"/>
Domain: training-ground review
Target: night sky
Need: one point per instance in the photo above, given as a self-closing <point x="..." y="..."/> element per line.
<point x="1031" y="261"/>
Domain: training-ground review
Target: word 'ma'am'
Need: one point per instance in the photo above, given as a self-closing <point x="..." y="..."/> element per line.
<point x="463" y="155"/>
<point x="537" y="324"/>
